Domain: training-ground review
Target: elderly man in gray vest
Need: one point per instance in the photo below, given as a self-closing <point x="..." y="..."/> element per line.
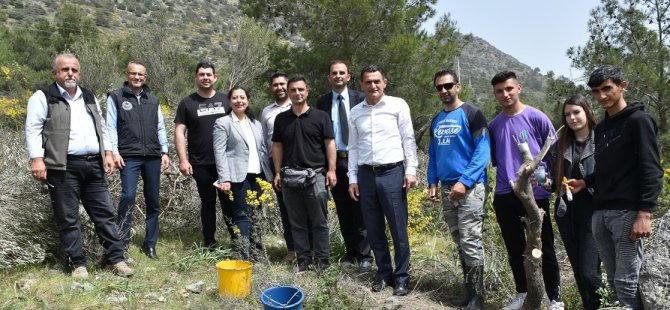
<point x="68" y="156"/>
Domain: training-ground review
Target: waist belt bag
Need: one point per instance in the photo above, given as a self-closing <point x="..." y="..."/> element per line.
<point x="296" y="177"/>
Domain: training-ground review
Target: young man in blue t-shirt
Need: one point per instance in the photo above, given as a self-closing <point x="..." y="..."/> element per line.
<point x="458" y="153"/>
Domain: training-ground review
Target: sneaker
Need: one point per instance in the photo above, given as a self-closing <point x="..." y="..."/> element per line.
<point x="122" y="270"/>
<point x="517" y="302"/>
<point x="80" y="272"/>
<point x="556" y="305"/>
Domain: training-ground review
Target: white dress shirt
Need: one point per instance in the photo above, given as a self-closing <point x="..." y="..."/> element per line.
<point x="381" y="134"/>
<point x="268" y="122"/>
<point x="335" y="117"/>
<point x="83" y="137"/>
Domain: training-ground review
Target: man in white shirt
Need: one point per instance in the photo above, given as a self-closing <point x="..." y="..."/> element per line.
<point x="382" y="168"/>
<point x="67" y="143"/>
<point x="278" y="83"/>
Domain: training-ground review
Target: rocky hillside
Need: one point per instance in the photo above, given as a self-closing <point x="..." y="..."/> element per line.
<point x="200" y="24"/>
<point x="203" y="27"/>
<point x="480" y="61"/>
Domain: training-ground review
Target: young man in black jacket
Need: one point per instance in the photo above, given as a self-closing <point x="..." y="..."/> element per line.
<point x="627" y="180"/>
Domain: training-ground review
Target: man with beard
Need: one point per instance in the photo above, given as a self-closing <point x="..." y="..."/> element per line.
<point x="66" y="140"/>
<point x="282" y="103"/>
<point x="197" y="114"/>
<point x="303" y="145"/>
<point x="458" y="153"/>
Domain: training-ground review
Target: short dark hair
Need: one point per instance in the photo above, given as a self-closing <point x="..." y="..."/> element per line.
<point x="370" y="69"/>
<point x="444" y="72"/>
<point x="335" y="62"/>
<point x="277" y="74"/>
<point x="247" y="111"/>
<point x="502" y="77"/>
<point x="296" y="79"/>
<point x="604" y="73"/>
<point x="205" y="64"/>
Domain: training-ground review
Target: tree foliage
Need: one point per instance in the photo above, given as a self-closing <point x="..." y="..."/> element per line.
<point x="247" y="56"/>
<point x="386" y="33"/>
<point x="558" y="90"/>
<point x="634" y="35"/>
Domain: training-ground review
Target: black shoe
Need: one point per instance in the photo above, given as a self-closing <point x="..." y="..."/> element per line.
<point x="302" y="267"/>
<point x="380" y="285"/>
<point x="150" y="252"/>
<point x="321" y="266"/>
<point x="365" y="266"/>
<point x="400" y="289"/>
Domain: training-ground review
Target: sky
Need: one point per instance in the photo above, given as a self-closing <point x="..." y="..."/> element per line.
<point x="536" y="32"/>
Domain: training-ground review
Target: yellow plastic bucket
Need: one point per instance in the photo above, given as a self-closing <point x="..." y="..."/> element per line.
<point x="234" y="278"/>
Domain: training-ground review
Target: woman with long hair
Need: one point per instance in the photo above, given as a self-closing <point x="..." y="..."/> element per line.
<point x="573" y="158"/>
<point x="239" y="153"/>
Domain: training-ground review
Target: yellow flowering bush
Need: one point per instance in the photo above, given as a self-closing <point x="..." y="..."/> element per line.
<point x="418" y="219"/>
<point x="13" y="110"/>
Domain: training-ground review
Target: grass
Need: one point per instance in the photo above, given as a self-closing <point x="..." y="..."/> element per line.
<point x="435" y="270"/>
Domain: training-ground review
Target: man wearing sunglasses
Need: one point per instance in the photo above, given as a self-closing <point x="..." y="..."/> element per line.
<point x="458" y="153"/>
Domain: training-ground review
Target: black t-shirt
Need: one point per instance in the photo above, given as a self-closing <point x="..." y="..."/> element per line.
<point x="302" y="137"/>
<point x="199" y="115"/>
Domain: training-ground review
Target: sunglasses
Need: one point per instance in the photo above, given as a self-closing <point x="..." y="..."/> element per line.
<point x="445" y="86"/>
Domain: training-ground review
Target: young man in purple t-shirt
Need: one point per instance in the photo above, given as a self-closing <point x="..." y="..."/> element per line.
<point x="522" y="123"/>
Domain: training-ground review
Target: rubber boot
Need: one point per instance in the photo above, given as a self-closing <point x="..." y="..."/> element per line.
<point x="462" y="301"/>
<point x="475" y="287"/>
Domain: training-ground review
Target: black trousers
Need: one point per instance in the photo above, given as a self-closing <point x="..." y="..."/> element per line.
<point x="509" y="211"/>
<point x="85" y="180"/>
<point x="580" y="245"/>
<point x="350" y="216"/>
<point x="205" y="176"/>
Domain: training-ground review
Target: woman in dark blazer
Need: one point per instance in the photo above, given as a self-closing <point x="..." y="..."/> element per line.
<point x="238" y="151"/>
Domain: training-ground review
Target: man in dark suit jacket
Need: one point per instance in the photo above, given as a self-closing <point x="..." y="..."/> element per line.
<point x="348" y="211"/>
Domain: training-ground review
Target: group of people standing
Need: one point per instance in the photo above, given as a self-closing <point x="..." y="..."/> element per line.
<point x="359" y="146"/>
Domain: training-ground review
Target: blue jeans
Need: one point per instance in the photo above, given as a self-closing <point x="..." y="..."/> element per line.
<point x="150" y="169"/>
<point x="85" y="180"/>
<point x="465" y="218"/>
<point x="308" y="212"/>
<point x="382" y="196"/>
<point x="621" y="256"/>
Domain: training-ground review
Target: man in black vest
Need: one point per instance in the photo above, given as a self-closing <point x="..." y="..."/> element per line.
<point x="68" y="157"/>
<point x="139" y="145"/>
<point x="348" y="210"/>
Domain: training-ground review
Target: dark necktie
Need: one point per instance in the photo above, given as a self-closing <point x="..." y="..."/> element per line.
<point x="344" y="125"/>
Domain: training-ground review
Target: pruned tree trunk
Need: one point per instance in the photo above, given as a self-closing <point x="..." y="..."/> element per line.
<point x="522" y="188"/>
